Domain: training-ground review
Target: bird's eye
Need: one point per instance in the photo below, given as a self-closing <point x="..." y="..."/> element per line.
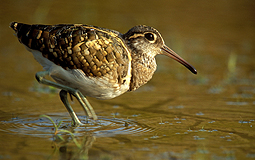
<point x="149" y="36"/>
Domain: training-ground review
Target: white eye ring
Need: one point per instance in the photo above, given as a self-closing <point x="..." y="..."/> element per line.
<point x="151" y="37"/>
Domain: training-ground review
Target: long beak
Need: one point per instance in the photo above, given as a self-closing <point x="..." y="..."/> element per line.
<point x="170" y="53"/>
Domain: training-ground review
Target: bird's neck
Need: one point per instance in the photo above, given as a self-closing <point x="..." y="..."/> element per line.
<point x="143" y="67"/>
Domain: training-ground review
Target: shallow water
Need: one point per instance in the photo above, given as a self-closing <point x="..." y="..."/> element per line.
<point x="177" y="115"/>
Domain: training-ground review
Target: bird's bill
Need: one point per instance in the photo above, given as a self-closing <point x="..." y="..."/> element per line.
<point x="170" y="53"/>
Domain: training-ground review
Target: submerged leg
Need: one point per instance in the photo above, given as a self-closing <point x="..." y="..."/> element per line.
<point x="76" y="93"/>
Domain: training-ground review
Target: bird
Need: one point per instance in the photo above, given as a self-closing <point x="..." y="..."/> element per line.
<point x="86" y="60"/>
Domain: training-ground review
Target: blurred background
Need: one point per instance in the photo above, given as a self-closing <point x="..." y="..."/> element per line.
<point x="208" y="115"/>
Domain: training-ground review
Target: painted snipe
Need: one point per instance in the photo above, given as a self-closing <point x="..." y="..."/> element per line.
<point x="85" y="60"/>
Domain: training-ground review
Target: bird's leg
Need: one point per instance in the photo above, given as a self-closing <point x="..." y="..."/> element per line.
<point x="85" y="103"/>
<point x="76" y="93"/>
<point x="75" y="119"/>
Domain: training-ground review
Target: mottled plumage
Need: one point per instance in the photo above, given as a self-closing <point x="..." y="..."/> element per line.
<point x="98" y="62"/>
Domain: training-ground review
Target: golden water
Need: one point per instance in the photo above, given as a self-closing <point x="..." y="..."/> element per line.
<point x="177" y="115"/>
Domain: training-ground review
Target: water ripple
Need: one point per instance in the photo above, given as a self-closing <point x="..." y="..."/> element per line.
<point x="42" y="127"/>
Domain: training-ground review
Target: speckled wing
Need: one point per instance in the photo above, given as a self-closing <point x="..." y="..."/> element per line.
<point x="96" y="51"/>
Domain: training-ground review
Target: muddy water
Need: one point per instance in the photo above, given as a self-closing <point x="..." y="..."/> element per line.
<point x="177" y="115"/>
